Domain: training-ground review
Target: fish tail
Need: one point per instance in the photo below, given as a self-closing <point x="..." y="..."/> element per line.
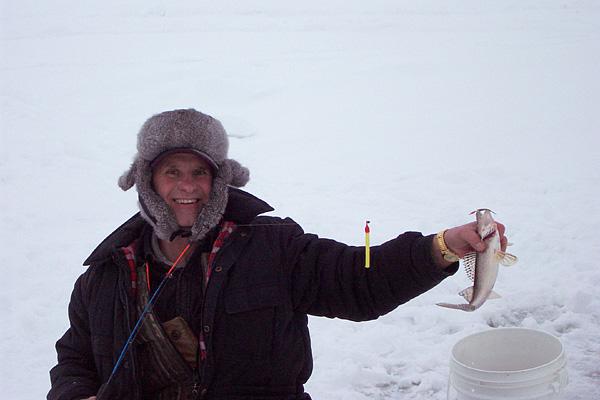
<point x="463" y="307"/>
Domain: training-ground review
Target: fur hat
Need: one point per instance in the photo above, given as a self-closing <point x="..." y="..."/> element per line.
<point x="182" y="131"/>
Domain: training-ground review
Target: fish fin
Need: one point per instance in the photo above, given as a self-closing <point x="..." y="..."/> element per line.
<point x="506" y="259"/>
<point x="493" y="295"/>
<point x="467" y="293"/>
<point x="469" y="261"/>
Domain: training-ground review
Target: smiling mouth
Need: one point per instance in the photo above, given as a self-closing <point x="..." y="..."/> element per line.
<point x="186" y="201"/>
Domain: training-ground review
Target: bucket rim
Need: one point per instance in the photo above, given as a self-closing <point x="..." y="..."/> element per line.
<point x="560" y="355"/>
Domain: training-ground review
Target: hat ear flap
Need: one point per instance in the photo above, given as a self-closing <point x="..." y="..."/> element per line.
<point x="233" y="173"/>
<point x="127" y="180"/>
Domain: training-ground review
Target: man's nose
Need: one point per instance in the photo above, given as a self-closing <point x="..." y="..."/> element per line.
<point x="186" y="183"/>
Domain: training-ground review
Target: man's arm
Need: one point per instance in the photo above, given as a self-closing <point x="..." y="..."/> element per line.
<point x="329" y="278"/>
<point x="75" y="377"/>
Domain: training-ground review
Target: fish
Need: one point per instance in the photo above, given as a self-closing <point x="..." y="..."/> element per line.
<point x="482" y="268"/>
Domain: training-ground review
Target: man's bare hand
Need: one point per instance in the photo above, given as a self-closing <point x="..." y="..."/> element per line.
<point x="464" y="239"/>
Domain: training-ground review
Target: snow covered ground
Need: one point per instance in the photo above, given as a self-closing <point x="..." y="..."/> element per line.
<point x="410" y="114"/>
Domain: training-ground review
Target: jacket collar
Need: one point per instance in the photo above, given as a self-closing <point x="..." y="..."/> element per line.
<point x="242" y="208"/>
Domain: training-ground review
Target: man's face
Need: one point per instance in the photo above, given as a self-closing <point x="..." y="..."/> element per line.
<point x="184" y="182"/>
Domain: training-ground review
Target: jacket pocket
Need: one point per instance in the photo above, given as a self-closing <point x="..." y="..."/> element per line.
<point x="249" y="323"/>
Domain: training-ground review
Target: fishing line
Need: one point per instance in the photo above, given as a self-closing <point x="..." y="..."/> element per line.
<point x="284" y="224"/>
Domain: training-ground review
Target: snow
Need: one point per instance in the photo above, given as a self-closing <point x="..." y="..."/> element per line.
<point x="409" y="114"/>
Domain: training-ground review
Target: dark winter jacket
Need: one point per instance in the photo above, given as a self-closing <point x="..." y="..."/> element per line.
<point x="268" y="276"/>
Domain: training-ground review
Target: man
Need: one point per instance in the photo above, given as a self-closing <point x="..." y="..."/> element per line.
<point x="229" y="321"/>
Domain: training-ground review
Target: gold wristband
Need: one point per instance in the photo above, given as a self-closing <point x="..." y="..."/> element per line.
<point x="446" y="253"/>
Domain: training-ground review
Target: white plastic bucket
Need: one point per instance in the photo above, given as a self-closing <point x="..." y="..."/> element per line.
<point x="507" y="363"/>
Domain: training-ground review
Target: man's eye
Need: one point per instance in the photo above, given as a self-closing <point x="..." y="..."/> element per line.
<point x="200" y="172"/>
<point x="172" y="172"/>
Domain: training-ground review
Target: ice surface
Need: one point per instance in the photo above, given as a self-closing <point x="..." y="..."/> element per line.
<point x="409" y="114"/>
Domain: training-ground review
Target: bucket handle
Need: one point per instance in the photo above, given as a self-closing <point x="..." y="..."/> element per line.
<point x="561" y="379"/>
<point x="450" y="390"/>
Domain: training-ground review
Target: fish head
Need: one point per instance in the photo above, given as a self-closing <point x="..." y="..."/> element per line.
<point x="485" y="222"/>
